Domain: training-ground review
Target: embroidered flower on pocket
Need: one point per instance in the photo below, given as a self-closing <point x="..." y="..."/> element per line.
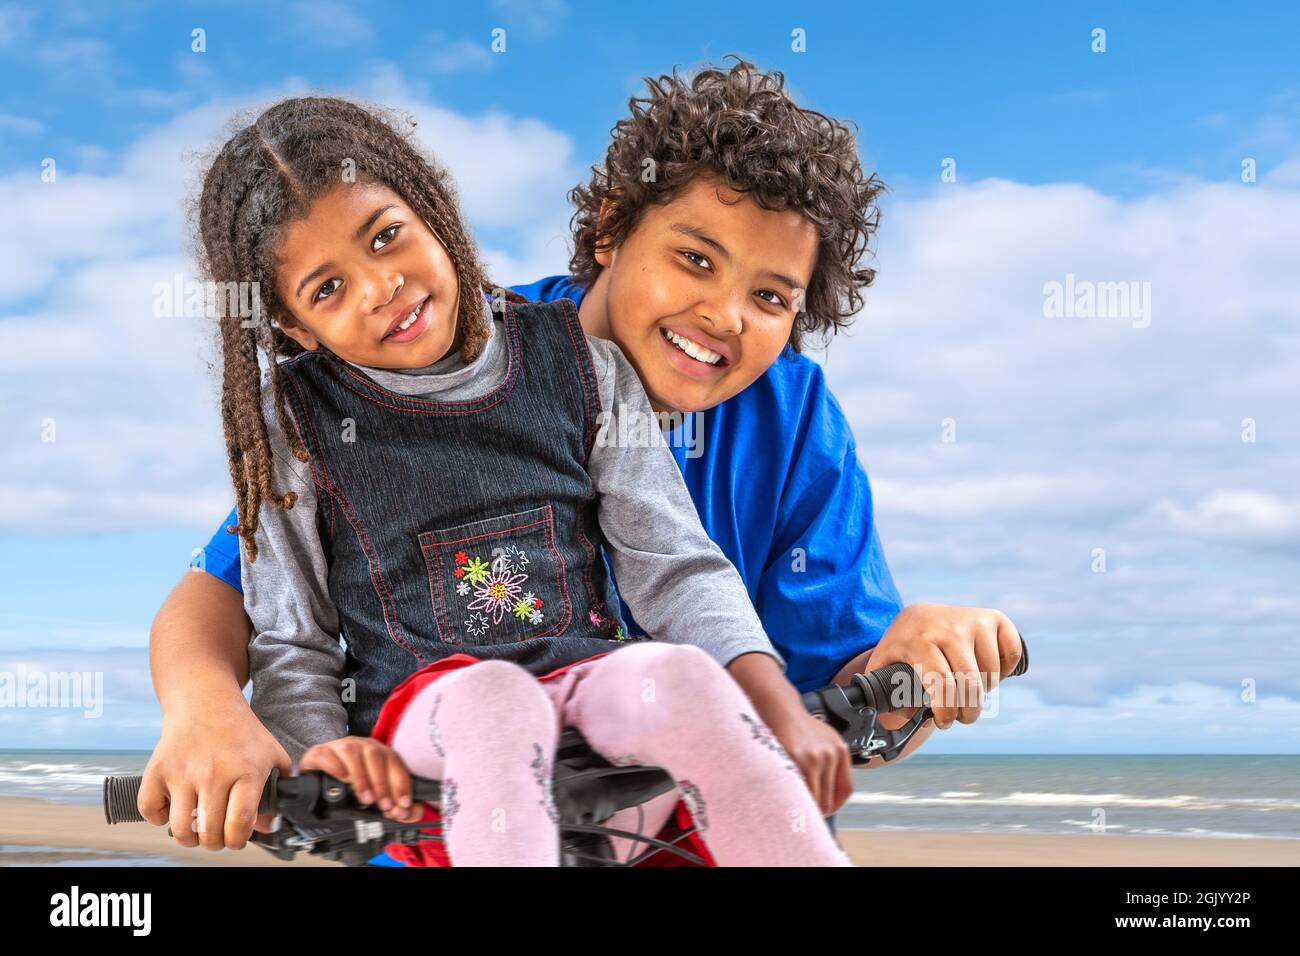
<point x="500" y="590"/>
<point x="525" y="610"/>
<point x="496" y="588"/>
<point x="475" y="571"/>
<point x="516" y="557"/>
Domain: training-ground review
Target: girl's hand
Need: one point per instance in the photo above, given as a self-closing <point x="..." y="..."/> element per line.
<point x="216" y="758"/>
<point x="960" y="653"/>
<point x="822" y="757"/>
<point x="374" y="770"/>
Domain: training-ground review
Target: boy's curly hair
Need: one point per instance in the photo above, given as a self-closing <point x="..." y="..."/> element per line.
<point x="741" y="126"/>
<point x="266" y="176"/>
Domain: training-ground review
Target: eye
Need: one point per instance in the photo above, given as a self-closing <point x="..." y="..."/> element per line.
<point x="318" y="295"/>
<point x="391" y="229"/>
<point x="775" y="300"/>
<point x="703" y="260"/>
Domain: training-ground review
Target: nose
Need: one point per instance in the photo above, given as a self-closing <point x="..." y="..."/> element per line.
<point x="725" y="314"/>
<point x="380" y="291"/>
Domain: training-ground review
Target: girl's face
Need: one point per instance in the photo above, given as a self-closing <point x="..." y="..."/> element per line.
<point x="365" y="276"/>
<point x="710" y="273"/>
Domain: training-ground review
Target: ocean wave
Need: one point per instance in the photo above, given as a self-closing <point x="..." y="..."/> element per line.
<point x="1035" y="799"/>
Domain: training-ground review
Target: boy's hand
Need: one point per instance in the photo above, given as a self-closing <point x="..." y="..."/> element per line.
<point x="374" y="770"/>
<point x="822" y="757"/>
<point x="217" y="758"/>
<point x="960" y="653"/>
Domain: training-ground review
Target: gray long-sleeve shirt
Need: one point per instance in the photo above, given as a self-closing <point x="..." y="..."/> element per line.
<point x="663" y="559"/>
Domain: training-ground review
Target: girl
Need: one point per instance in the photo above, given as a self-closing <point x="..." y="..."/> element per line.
<point x="450" y="519"/>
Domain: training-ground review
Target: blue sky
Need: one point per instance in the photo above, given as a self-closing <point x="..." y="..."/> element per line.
<point x="1122" y="165"/>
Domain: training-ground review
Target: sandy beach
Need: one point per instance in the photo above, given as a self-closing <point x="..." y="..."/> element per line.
<point x="43" y="826"/>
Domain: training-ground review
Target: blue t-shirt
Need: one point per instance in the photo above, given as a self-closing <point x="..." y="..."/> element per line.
<point x="790" y="506"/>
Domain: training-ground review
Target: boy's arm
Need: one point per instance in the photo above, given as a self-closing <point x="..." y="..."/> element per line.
<point x="198" y="644"/>
<point x="827" y="594"/>
<point x="677" y="582"/>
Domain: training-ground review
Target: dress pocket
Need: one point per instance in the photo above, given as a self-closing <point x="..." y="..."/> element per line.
<point x="497" y="581"/>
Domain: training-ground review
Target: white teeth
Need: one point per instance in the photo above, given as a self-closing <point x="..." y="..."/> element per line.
<point x="406" y="323"/>
<point x="698" y="352"/>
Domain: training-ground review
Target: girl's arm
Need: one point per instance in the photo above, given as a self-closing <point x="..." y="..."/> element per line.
<point x="295" y="659"/>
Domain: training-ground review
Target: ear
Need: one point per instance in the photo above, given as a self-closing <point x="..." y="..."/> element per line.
<point x="298" y="332"/>
<point x="604" y="251"/>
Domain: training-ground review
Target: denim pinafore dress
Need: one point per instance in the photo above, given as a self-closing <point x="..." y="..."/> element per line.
<point x="461" y="527"/>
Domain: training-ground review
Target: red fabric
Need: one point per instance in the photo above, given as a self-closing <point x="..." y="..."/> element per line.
<point x="434" y="852"/>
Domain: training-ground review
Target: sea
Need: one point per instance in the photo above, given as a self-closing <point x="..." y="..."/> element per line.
<point x="1212" y="795"/>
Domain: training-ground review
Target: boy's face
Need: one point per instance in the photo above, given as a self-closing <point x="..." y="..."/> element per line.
<point x="710" y="270"/>
<point x="356" y="269"/>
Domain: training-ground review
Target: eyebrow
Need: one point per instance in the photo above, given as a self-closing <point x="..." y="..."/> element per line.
<point x="704" y="237"/>
<point x="361" y="231"/>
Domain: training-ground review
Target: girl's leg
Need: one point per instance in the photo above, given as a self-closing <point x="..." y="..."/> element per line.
<point x="672" y="706"/>
<point x="488" y="731"/>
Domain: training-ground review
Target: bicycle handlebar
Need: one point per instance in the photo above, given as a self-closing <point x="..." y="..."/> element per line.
<point x="850" y="709"/>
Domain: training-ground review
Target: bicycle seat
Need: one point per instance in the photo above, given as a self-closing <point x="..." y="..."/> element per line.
<point x="589" y="789"/>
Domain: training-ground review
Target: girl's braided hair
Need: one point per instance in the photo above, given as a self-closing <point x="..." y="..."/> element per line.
<point x="265" y="177"/>
<point x="741" y="126"/>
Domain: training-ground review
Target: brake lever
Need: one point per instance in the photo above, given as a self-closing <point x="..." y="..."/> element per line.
<point x="319" y="816"/>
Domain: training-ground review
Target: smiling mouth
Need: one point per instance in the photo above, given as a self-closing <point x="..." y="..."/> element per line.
<point x="694" y="350"/>
<point x="411" y="318"/>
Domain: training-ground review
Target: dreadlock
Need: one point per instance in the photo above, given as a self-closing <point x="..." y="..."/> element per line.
<point x="265" y="177"/>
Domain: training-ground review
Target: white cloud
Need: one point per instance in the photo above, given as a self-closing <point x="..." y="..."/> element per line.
<point x="20" y="125"/>
<point x="1234" y="515"/>
<point x="15" y="18"/>
<point x="445" y="55"/>
<point x="328" y="23"/>
<point x="539" y="16"/>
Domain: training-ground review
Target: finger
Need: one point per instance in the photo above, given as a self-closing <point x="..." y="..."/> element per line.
<point x="399" y="784"/>
<point x="357" y="775"/>
<point x="403" y="814"/>
<point x="241" y="811"/>
<point x="1009" y="644"/>
<point x="211" y="820"/>
<point x="987" y="655"/>
<point x="181" y="814"/>
<point x="937" y="679"/>
<point x="967" y="684"/>
<point x="152" y="800"/>
<point x="326" y="761"/>
<point x="827" y="774"/>
<point x="376" y="759"/>
<point x="844" y="779"/>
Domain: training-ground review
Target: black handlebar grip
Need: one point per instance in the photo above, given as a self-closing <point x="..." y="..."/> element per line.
<point x="892" y="688"/>
<point x="896" y="686"/>
<point x="121" y="797"/>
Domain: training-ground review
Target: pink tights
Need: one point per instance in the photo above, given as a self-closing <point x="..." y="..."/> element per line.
<point x="488" y="731"/>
